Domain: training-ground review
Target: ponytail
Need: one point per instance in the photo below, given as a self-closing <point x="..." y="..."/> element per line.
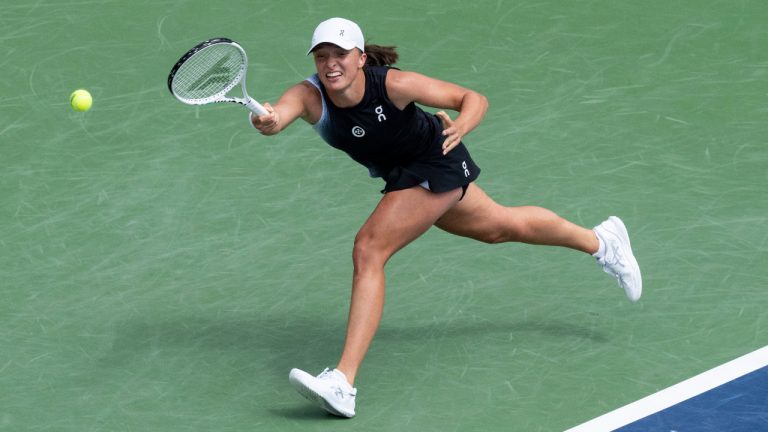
<point x="381" y="55"/>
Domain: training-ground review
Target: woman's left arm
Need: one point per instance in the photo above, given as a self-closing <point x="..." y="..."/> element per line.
<point x="406" y="87"/>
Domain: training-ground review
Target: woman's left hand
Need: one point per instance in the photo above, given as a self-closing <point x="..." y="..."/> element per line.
<point x="451" y="132"/>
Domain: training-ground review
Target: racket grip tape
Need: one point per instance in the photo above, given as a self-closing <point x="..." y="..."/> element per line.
<point x="255" y="107"/>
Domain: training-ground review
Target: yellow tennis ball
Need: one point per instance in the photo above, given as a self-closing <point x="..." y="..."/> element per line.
<point x="81" y="100"/>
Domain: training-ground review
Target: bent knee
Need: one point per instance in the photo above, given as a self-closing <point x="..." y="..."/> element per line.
<point x="495" y="230"/>
<point x="367" y="252"/>
<point x="491" y="236"/>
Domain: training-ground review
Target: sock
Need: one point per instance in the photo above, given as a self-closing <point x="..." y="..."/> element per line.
<point x="601" y="248"/>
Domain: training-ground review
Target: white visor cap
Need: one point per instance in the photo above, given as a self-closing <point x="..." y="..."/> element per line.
<point x="338" y="31"/>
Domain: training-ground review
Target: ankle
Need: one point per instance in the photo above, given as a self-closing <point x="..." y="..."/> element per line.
<point x="600" y="252"/>
<point x="348" y="375"/>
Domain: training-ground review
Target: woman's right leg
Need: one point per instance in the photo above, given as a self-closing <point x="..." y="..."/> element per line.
<point x="401" y="217"/>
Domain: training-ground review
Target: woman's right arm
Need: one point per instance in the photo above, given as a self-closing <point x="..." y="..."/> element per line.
<point x="297" y="101"/>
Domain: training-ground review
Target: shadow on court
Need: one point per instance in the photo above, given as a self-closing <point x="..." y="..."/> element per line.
<point x="206" y="359"/>
<point x="278" y="345"/>
<point x="461" y="330"/>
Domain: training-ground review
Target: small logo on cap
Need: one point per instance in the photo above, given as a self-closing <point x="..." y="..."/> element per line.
<point x="341" y="33"/>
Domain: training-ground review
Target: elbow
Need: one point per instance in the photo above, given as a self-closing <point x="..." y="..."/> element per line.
<point x="476" y="98"/>
<point x="481" y="101"/>
<point x="469" y="100"/>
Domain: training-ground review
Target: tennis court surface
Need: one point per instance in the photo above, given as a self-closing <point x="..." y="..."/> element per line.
<point x="163" y="267"/>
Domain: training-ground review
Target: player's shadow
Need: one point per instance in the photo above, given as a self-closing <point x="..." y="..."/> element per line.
<point x="267" y="347"/>
<point x="551" y="329"/>
<point x="304" y="340"/>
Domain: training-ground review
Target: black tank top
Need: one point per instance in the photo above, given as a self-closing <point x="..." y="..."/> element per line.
<point x="375" y="132"/>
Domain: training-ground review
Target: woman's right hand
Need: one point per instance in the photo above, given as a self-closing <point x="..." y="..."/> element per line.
<point x="266" y="124"/>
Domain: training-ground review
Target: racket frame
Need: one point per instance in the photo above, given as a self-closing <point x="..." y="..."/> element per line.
<point x="246" y="100"/>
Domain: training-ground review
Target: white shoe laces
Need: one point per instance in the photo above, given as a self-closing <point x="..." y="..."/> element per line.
<point x="615" y="259"/>
<point x="333" y="379"/>
<point x="615" y="262"/>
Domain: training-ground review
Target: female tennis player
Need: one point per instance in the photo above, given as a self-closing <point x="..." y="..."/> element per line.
<point x="358" y="104"/>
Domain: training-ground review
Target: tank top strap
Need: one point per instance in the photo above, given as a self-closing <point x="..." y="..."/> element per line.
<point x="376" y="81"/>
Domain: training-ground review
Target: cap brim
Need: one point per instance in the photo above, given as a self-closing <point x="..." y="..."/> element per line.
<point x="344" y="44"/>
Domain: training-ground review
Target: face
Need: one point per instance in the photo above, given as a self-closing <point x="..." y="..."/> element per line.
<point x="338" y="68"/>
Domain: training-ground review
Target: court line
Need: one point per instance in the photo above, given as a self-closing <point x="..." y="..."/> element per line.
<point x="677" y="393"/>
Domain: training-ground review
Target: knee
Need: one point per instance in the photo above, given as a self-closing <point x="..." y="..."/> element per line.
<point x="367" y="252"/>
<point x="491" y="231"/>
<point x="511" y="230"/>
<point x="494" y="236"/>
<point x="502" y="226"/>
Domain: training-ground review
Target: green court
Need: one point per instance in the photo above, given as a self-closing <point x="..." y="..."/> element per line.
<point x="163" y="267"/>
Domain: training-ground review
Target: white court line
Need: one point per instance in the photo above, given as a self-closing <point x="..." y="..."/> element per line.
<point x="677" y="393"/>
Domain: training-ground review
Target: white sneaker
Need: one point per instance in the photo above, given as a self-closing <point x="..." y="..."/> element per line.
<point x="617" y="259"/>
<point x="330" y="390"/>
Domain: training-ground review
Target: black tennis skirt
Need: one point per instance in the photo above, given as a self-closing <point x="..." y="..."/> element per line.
<point x="442" y="173"/>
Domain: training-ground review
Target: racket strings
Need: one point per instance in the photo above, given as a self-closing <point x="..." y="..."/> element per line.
<point x="209" y="73"/>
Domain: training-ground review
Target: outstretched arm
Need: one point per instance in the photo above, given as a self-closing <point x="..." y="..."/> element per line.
<point x="406" y="87"/>
<point x="296" y="102"/>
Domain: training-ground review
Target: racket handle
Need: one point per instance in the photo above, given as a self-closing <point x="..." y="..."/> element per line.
<point x="255" y="107"/>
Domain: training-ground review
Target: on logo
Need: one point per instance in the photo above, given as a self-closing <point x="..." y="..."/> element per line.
<point x="358" y="131"/>
<point x="380" y="111"/>
<point x="466" y="170"/>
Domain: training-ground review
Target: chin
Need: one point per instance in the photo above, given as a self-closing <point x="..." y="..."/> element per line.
<point x="335" y="85"/>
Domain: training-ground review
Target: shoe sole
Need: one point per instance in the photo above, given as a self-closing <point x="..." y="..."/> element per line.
<point x="297" y="377"/>
<point x="620" y="230"/>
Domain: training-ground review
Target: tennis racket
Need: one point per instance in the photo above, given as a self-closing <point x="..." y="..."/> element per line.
<point x="207" y="72"/>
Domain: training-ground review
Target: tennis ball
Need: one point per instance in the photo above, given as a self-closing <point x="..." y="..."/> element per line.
<point x="81" y="100"/>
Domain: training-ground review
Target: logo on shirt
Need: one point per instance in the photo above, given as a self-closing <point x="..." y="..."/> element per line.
<point x="358" y="132"/>
<point x="380" y="112"/>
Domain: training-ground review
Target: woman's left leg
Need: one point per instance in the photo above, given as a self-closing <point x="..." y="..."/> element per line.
<point x="479" y="217"/>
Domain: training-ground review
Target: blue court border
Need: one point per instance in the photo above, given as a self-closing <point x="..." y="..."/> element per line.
<point x="732" y="397"/>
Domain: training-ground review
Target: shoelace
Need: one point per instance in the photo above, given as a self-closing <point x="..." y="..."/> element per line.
<point x="615" y="262"/>
<point x="338" y="390"/>
<point x="326" y="374"/>
<point x="616" y="257"/>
